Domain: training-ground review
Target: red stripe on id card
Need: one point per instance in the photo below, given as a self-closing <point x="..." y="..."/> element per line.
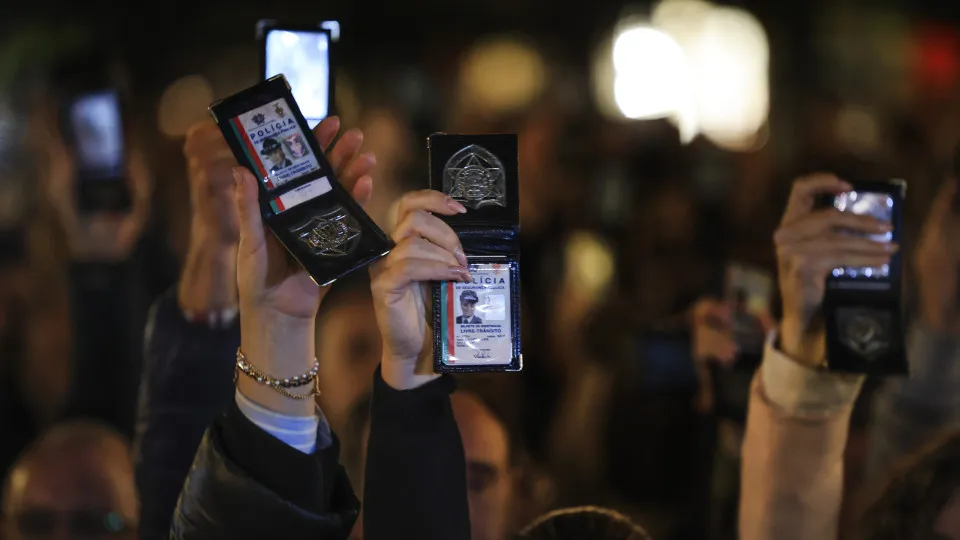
<point x="451" y="351"/>
<point x="252" y="151"/>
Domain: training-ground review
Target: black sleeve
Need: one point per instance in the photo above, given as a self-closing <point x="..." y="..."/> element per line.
<point x="245" y="483"/>
<point x="187" y="382"/>
<point x="415" y="483"/>
<point x="107" y="312"/>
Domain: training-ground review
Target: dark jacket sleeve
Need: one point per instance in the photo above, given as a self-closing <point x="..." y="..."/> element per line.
<point x="109" y="303"/>
<point x="247" y="484"/>
<point x="107" y="311"/>
<point x="415" y="483"/>
<point x="187" y="382"/>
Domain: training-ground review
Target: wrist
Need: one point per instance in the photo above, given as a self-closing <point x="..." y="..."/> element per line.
<point x="209" y="278"/>
<point x="403" y="373"/>
<point x="282" y="347"/>
<point x="802" y="341"/>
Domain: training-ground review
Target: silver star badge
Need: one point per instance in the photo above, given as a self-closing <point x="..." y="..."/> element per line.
<point x="865" y="335"/>
<point x="333" y="234"/>
<point x="475" y="177"/>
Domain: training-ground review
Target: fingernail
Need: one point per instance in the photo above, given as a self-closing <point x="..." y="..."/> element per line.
<point x="371" y="157"/>
<point x="458" y="272"/>
<point x="456" y="206"/>
<point x="846" y="186"/>
<point x="885" y="226"/>
<point x="461" y="257"/>
<point x="891" y="247"/>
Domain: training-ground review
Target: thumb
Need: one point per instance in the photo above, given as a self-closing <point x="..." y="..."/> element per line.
<point x="248" y="209"/>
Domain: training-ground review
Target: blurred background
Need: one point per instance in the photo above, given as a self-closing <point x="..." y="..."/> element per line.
<point x="657" y="146"/>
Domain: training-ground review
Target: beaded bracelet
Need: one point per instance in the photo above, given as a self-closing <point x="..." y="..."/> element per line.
<point x="281" y="385"/>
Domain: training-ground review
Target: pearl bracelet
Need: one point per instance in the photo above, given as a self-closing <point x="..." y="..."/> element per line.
<point x="280" y="385"/>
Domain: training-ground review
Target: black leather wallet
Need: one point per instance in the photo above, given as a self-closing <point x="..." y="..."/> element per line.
<point x="301" y="201"/>
<point x="477" y="324"/>
<point x="862" y="307"/>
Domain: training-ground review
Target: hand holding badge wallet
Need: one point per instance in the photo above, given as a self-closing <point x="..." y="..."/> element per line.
<point x="301" y="201"/>
<point x="862" y="306"/>
<point x="477" y="324"/>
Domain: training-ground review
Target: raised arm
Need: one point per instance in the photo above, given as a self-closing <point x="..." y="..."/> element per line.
<point x="192" y="337"/>
<point x="416" y="471"/>
<point x="792" y="472"/>
<point x="271" y="454"/>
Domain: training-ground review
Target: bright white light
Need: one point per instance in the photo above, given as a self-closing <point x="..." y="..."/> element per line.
<point x="705" y="67"/>
<point x="650" y="73"/>
<point x="289" y="39"/>
<point x="334" y="28"/>
<point x="729" y="60"/>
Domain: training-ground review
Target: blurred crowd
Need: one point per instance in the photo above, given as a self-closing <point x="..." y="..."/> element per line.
<point x="648" y="273"/>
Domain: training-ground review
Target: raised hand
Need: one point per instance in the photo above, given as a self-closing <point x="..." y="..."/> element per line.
<point x="809" y="246"/>
<point x="427" y="250"/>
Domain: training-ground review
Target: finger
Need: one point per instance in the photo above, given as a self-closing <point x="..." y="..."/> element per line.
<point x="248" y="210"/>
<point x="825" y="221"/>
<point x="215" y="174"/>
<point x="805" y="191"/>
<point x="840" y="243"/>
<point x="326" y="131"/>
<point x="824" y="261"/>
<point x="418" y="248"/>
<point x="429" y="200"/>
<point x="400" y="273"/>
<point x="421" y="224"/>
<point x="363" y="190"/>
<point x="361" y="166"/>
<point x="203" y="137"/>
<point x="345" y="150"/>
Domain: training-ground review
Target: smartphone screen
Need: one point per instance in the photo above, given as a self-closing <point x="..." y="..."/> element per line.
<point x="97" y="132"/>
<point x="303" y="57"/>
<point x="878" y="205"/>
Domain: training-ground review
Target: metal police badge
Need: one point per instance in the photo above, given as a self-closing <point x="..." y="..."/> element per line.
<point x="333" y="234"/>
<point x="864" y="332"/>
<point x="475" y="177"/>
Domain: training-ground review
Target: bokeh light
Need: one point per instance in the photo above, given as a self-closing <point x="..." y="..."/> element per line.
<point x="183" y="104"/>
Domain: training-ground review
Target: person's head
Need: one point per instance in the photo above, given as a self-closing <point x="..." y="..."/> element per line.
<point x="490" y="477"/>
<point x="274" y="151"/>
<point x="921" y="500"/>
<point x="348" y="346"/>
<point x="489" y="458"/>
<point x="581" y="523"/>
<point x="75" y="482"/>
<point x="296" y="146"/>
<point x="468" y="302"/>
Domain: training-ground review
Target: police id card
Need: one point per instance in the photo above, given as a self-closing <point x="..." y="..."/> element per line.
<point x="275" y="143"/>
<point x="478" y="321"/>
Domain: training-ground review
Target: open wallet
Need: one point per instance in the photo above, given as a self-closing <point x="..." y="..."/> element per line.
<point x="477" y="323"/>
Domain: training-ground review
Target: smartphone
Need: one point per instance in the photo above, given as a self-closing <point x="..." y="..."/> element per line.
<point x="883" y="201"/>
<point x="92" y="124"/>
<point x="302" y="54"/>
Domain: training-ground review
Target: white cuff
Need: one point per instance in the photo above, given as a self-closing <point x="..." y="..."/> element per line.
<point x="299" y="432"/>
<point x="797" y="389"/>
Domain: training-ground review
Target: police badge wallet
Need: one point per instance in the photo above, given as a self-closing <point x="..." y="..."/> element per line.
<point x="477" y="324"/>
<point x="301" y="201"/>
<point x="862" y="307"/>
